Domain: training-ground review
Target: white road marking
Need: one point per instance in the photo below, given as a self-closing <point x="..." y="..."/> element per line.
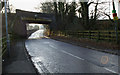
<point x="84" y="59"/>
<point x="67" y="53"/>
<point x="72" y="55"/>
<point x="52" y="46"/>
<point x="46" y="42"/>
<point x="110" y="70"/>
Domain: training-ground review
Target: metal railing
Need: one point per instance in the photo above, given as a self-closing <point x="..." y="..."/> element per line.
<point x="4" y="46"/>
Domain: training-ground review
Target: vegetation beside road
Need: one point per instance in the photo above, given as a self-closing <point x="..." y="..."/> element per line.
<point x="101" y="40"/>
<point x="98" y="35"/>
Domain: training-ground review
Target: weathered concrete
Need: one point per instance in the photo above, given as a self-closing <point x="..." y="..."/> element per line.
<point x="20" y="27"/>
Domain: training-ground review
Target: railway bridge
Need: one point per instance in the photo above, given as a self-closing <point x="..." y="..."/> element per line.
<point x="25" y="17"/>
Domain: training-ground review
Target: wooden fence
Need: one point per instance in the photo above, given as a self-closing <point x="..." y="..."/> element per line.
<point x="95" y="35"/>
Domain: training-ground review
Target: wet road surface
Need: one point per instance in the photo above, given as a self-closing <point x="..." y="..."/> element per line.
<point x="51" y="56"/>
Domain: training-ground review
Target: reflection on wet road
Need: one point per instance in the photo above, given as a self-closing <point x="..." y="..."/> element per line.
<point x="51" y="56"/>
<point x="37" y="34"/>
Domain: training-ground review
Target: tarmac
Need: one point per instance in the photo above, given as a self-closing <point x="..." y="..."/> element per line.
<point x="18" y="62"/>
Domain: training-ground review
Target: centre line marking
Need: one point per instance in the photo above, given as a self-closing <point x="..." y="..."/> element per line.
<point x="52" y="46"/>
<point x="110" y="70"/>
<point x="72" y="55"/>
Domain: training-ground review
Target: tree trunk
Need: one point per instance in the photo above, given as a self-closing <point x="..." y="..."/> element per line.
<point x="56" y="11"/>
<point x="85" y="14"/>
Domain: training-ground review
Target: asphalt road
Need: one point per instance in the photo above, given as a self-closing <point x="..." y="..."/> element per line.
<point x="51" y="56"/>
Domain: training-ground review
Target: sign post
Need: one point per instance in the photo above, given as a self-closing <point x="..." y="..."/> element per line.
<point x="115" y="18"/>
<point x="7" y="35"/>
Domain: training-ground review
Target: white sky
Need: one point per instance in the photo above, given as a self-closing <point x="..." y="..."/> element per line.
<point x="33" y="24"/>
<point x="30" y="5"/>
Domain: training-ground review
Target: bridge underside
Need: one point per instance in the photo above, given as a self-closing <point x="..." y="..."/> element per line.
<point x="39" y="20"/>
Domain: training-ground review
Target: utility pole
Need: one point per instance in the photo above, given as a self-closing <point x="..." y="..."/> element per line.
<point x="7" y="35"/>
<point x="115" y="18"/>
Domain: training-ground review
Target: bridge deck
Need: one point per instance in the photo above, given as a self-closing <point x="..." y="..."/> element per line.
<point x="39" y="20"/>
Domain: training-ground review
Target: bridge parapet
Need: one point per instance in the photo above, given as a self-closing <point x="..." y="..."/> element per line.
<point x="28" y="14"/>
<point x="40" y="20"/>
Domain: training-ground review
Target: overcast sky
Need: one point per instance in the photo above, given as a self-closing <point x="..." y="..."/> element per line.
<point x="30" y="5"/>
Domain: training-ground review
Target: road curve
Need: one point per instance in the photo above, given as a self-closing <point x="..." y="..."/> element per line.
<point x="51" y="56"/>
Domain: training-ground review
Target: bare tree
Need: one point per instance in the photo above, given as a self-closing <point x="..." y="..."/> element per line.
<point x="12" y="9"/>
<point x="90" y="19"/>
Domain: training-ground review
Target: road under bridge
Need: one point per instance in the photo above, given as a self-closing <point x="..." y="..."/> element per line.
<point x="22" y="18"/>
